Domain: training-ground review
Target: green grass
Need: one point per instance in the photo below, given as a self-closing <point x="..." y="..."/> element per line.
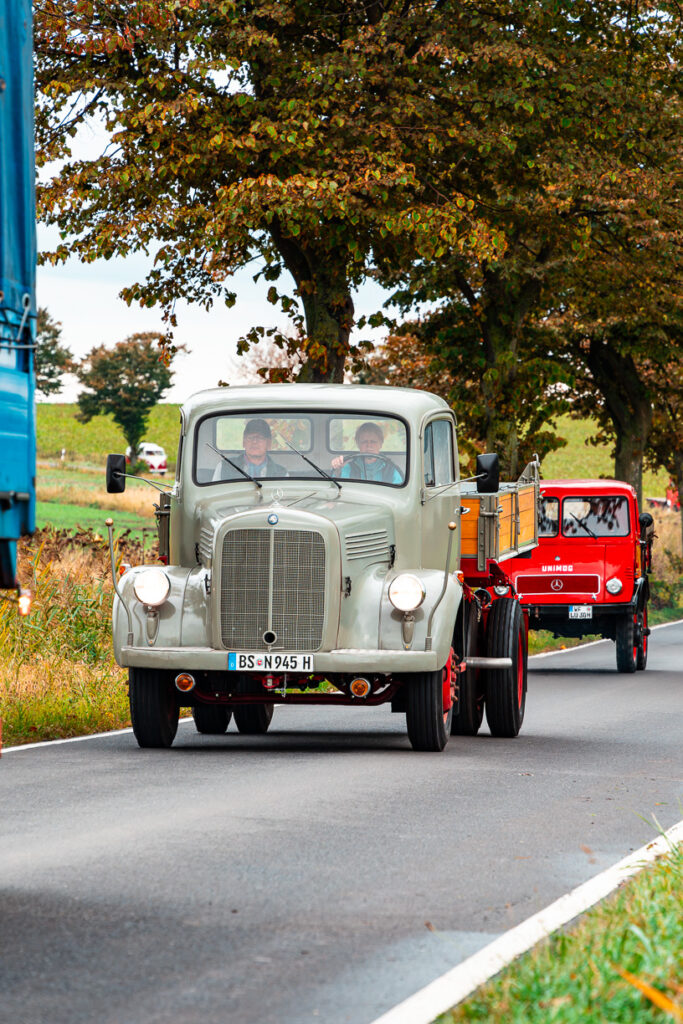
<point x="74" y="517"/>
<point x="580" y="459"/>
<point x="572" y="978"/>
<point x="57" y="428"/>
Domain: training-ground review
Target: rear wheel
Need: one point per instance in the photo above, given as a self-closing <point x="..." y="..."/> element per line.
<point x="153" y="707"/>
<point x="252" y="719"/>
<point x="627" y="647"/>
<point x="643" y="639"/>
<point x="506" y="687"/>
<point x="429" y="725"/>
<point x="211" y="719"/>
<point x="469" y="711"/>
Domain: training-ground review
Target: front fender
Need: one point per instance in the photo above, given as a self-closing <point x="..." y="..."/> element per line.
<point x="183" y="619"/>
<point x="443" y="622"/>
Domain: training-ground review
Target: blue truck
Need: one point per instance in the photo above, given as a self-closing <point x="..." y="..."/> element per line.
<point x="17" y="285"/>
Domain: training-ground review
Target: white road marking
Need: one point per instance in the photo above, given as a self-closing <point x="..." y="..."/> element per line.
<point x="458" y="983"/>
<point x="594" y="643"/>
<point x="78" y="739"/>
<point x="122" y="732"/>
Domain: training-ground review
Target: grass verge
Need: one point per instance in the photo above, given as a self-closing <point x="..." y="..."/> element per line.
<point x="58" y="676"/>
<point x="621" y="963"/>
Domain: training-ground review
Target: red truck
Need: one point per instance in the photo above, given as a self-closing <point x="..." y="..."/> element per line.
<point x="589" y="573"/>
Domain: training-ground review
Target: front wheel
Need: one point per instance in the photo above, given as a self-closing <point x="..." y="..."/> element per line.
<point x="643" y="638"/>
<point x="211" y="719"/>
<point x="154" y="708"/>
<point x="429" y="725"/>
<point x="627" y="647"/>
<point x="506" y="687"/>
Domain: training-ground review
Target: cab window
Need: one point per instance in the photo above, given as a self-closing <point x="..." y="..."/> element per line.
<point x="595" y="516"/>
<point x="548" y="517"/>
<point x="438" y="454"/>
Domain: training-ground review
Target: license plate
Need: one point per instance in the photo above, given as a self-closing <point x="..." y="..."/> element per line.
<point x="246" y="661"/>
<point x="580" y="611"/>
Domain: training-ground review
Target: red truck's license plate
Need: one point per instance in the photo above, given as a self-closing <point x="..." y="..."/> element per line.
<point x="580" y="611"/>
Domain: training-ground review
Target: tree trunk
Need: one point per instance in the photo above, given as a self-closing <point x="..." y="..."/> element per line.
<point x="628" y="404"/>
<point x="678" y="465"/>
<point x="323" y="287"/>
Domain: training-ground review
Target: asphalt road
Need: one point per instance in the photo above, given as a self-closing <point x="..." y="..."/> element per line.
<point x="324" y="871"/>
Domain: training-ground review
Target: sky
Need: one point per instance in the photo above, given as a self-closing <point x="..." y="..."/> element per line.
<point x="84" y="298"/>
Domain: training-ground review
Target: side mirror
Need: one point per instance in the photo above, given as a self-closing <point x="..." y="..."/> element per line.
<point x="488" y="473"/>
<point x="116" y="470"/>
<point x="647" y="525"/>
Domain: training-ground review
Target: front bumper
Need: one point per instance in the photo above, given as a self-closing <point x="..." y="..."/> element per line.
<point x="205" y="659"/>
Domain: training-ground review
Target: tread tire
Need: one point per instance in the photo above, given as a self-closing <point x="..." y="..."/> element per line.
<point x="428" y="727"/>
<point x="506" y="687"/>
<point x="470" y="707"/>
<point x="627" y="658"/>
<point x="211" y="719"/>
<point x="253" y="719"/>
<point x="154" y="710"/>
<point x="643" y="646"/>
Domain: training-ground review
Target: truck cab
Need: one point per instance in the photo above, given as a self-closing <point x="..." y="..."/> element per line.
<point x="314" y="554"/>
<point x="589" y="573"/>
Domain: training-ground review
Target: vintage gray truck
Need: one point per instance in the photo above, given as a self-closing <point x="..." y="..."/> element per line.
<point x="319" y="547"/>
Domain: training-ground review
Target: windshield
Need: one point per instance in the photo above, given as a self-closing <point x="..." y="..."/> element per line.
<point x="595" y="516"/>
<point x="272" y="445"/>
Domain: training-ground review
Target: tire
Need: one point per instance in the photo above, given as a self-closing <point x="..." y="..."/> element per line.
<point x="644" y="640"/>
<point x="506" y="687"/>
<point x="253" y="719"/>
<point x="469" y="711"/>
<point x="154" y="708"/>
<point x="211" y="719"/>
<point x="429" y="726"/>
<point x="627" y="647"/>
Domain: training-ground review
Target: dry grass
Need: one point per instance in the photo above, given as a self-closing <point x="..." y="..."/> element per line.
<point x="58" y="676"/>
<point x="137" y="501"/>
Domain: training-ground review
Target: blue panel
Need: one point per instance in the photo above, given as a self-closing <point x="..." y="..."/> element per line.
<point x="17" y="279"/>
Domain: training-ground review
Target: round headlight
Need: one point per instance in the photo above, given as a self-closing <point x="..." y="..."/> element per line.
<point x="152" y="587"/>
<point x="614" y="586"/>
<point x="406" y="592"/>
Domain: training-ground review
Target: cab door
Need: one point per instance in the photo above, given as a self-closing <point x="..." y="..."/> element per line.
<point x="439" y="492"/>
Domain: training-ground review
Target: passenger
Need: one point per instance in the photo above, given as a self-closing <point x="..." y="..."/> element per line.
<point x="368" y="464"/>
<point x="255" y="460"/>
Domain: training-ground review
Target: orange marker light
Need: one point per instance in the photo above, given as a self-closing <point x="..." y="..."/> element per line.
<point x="184" y="682"/>
<point x="25" y="602"/>
<point x="360" y="687"/>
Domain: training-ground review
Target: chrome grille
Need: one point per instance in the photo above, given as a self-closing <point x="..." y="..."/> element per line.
<point x="297" y="598"/>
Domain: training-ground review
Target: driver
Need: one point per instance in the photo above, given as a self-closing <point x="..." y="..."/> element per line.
<point x="369" y="464"/>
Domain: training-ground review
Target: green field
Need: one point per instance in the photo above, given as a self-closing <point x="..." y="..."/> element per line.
<point x="80" y="517"/>
<point x="89" y="443"/>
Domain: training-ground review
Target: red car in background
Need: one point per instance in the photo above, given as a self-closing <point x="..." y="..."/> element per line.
<point x="589" y="573"/>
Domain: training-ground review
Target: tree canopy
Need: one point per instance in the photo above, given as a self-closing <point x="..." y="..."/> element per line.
<point x="306" y="134"/>
<point x="52" y="359"/>
<point x="126" y="381"/>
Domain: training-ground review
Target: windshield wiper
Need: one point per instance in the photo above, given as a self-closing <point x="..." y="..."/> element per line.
<point x="309" y="461"/>
<point x="586" y="528"/>
<point x="235" y="466"/>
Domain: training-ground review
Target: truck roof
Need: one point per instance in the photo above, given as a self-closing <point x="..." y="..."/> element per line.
<point x="409" y="402"/>
<point x="587" y="485"/>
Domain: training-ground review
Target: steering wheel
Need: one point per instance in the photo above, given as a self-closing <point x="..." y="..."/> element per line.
<point x="369" y="458"/>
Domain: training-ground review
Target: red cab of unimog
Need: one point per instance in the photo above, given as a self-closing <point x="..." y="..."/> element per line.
<point x="589" y="573"/>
